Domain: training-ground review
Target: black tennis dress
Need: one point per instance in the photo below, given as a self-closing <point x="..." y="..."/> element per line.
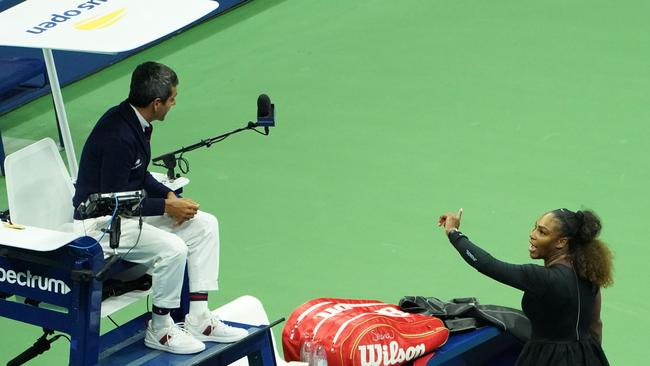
<point x="559" y="304"/>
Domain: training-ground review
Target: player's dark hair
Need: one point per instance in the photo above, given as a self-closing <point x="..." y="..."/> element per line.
<point x="591" y="257"/>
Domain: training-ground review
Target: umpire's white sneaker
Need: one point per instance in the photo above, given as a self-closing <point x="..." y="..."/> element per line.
<point x="211" y="329"/>
<point x="172" y="339"/>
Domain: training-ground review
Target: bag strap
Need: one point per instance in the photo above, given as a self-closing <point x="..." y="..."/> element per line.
<point x="461" y="324"/>
<point x="423" y="305"/>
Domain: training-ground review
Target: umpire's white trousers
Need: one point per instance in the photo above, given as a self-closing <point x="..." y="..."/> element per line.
<point x="165" y="248"/>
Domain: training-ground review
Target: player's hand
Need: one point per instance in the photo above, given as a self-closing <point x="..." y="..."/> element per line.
<point x="180" y="209"/>
<point x="450" y="221"/>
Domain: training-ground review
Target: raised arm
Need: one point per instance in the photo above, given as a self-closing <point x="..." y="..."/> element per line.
<point x="527" y="277"/>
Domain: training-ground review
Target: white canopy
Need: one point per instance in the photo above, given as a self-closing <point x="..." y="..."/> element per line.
<point x="95" y="26"/>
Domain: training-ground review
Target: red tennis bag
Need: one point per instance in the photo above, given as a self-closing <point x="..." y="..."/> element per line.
<point x="361" y="332"/>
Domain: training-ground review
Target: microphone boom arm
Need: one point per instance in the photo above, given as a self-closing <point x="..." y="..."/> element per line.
<point x="169" y="160"/>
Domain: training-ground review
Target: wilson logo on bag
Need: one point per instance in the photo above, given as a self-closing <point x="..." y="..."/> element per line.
<point x="362" y="332"/>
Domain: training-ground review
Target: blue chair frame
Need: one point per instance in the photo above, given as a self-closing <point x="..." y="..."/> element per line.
<point x="66" y="278"/>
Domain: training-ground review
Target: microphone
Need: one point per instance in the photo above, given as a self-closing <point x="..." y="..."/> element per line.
<point x="265" y="112"/>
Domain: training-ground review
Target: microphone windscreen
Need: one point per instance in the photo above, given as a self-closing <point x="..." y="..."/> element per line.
<point x="263" y="105"/>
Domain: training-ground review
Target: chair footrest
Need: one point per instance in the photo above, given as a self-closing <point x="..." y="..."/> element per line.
<point x="113" y="304"/>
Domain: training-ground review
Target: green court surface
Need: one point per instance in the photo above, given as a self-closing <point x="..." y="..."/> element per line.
<point x="389" y="114"/>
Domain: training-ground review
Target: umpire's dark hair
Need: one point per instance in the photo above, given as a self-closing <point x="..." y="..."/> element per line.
<point x="149" y="81"/>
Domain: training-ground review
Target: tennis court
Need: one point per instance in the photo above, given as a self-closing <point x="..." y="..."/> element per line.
<point x="389" y="114"/>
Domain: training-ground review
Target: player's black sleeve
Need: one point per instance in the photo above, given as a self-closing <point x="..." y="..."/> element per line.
<point x="526" y="277"/>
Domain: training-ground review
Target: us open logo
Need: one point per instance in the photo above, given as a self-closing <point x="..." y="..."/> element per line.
<point x="92" y="23"/>
<point x="100" y="22"/>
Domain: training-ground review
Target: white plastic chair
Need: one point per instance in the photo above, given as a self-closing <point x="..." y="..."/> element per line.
<point x="39" y="188"/>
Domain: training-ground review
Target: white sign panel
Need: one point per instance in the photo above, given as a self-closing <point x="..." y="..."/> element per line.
<point x="99" y="26"/>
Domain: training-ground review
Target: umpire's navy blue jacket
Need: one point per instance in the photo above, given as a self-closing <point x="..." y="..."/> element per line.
<point x="115" y="159"/>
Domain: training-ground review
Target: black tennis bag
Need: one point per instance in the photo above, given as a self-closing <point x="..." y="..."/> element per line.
<point x="466" y="313"/>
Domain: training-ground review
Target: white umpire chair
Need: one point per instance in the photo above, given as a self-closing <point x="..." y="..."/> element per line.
<point x="39" y="193"/>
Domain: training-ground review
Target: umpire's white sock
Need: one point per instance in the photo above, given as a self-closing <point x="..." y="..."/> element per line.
<point x="199" y="305"/>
